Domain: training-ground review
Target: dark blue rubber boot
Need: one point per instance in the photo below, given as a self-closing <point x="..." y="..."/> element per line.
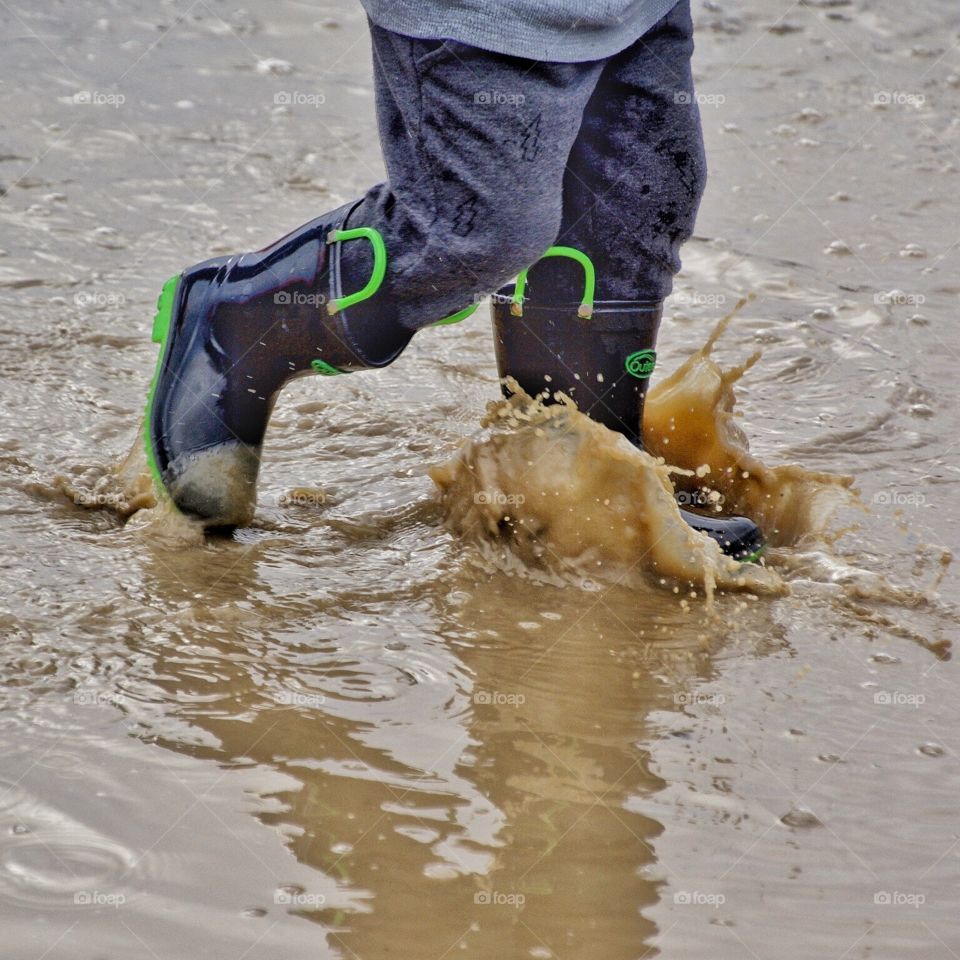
<point x="601" y="354"/>
<point x="232" y="331"/>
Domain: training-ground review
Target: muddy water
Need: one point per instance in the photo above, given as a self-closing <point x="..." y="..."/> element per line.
<point x="349" y="730"/>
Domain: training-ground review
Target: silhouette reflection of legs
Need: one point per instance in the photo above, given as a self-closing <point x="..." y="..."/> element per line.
<point x="469" y="764"/>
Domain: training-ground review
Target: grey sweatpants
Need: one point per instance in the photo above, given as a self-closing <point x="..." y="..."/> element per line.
<point x="491" y="159"/>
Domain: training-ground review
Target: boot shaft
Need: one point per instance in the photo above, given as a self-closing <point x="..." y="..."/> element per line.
<point x="603" y="361"/>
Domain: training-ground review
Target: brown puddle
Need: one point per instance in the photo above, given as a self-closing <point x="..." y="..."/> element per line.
<point x="567" y="495"/>
<point x="564" y="495"/>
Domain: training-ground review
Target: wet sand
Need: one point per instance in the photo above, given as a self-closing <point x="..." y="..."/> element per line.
<point x="353" y="730"/>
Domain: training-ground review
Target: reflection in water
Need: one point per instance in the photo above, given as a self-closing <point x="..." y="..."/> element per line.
<point x="464" y="780"/>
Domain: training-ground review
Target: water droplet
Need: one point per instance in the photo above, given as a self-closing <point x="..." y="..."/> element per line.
<point x="800" y="819"/>
<point x="884" y="658"/>
<point x="931" y="750"/>
<point x="838" y="248"/>
<point x="440" y="871"/>
<point x="274" y="65"/>
<point x="253" y="912"/>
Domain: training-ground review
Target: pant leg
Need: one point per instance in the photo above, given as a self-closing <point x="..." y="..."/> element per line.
<point x="636" y="172"/>
<point x="475" y="145"/>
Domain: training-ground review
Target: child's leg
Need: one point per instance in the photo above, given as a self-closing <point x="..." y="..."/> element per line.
<point x="475" y="145"/>
<point x="631" y="192"/>
<point x="637" y="170"/>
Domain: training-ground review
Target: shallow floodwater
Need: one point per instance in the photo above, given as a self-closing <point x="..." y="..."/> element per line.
<point x="350" y="729"/>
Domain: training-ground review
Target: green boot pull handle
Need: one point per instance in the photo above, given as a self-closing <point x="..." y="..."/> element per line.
<point x="379" y="266"/>
<point x="589" y="274"/>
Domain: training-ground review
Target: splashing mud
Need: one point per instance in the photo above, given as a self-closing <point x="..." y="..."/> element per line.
<point x="126" y="488"/>
<point x="689" y="422"/>
<point x="564" y="493"/>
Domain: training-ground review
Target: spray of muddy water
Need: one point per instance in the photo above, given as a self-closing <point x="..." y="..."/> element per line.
<point x="566" y="494"/>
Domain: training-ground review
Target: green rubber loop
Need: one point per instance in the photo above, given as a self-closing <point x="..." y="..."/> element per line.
<point x="324" y="369"/>
<point x="755" y="556"/>
<point x="589" y="281"/>
<point x="159" y="334"/>
<point x="379" y="265"/>
<point x="456" y="317"/>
